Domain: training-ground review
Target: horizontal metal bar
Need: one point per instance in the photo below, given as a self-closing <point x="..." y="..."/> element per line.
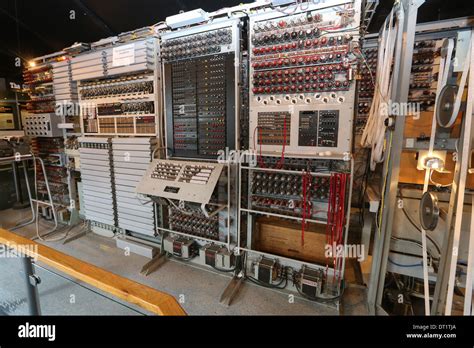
<point x="284" y="171"/>
<point x="10" y="159"/>
<point x="192" y="236"/>
<point x="40" y="202"/>
<point x="283" y="216"/>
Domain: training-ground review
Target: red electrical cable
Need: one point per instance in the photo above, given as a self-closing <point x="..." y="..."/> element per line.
<point x="342" y="204"/>
<point x="335" y="222"/>
<point x="304" y="208"/>
<point x="254" y="144"/>
<point x="341" y="184"/>
<point x="336" y="226"/>
<point x="329" y="226"/>
<point x="261" y="162"/>
<point x="260" y="159"/>
<point x="340" y="197"/>
<point x="338" y="231"/>
<point x="341" y="223"/>
<point x="342" y="220"/>
<point x="282" y="158"/>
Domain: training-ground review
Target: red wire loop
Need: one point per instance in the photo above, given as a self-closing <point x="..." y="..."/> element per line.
<point x="335" y="221"/>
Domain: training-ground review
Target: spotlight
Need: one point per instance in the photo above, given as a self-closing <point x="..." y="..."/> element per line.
<point x="434" y="160"/>
<point x="434" y="163"/>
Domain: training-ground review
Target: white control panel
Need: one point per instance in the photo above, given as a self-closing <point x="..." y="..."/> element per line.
<point x="42" y="125"/>
<point x="185" y="181"/>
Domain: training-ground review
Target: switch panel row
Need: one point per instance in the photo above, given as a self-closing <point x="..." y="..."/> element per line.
<point x="303" y="65"/>
<point x="199" y="106"/>
<point x="119" y="88"/>
<point x="318" y="128"/>
<point x="200" y="83"/>
<point x="206" y="43"/>
<point x="127" y="86"/>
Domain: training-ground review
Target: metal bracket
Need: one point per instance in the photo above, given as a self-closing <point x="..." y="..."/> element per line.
<point x="441" y="144"/>
<point x="34" y="280"/>
<point x="76" y="236"/>
<point x="206" y="213"/>
<point x="231" y="290"/>
<point x="153" y="264"/>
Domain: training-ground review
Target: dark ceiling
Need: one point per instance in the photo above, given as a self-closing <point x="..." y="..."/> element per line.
<point x="33" y="28"/>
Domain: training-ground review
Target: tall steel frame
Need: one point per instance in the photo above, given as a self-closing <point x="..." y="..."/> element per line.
<point x="406" y="12"/>
<point x="442" y="297"/>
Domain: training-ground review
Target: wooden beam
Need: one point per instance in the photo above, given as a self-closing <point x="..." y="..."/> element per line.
<point x="148" y="298"/>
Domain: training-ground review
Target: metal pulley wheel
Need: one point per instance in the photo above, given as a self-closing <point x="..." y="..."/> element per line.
<point x="445" y="107"/>
<point x="429" y="211"/>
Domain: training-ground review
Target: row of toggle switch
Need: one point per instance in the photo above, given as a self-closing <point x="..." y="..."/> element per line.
<point x="196" y="45"/>
<point x="299" y="98"/>
<point x="295" y="40"/>
<point x="306" y="87"/>
<point x="304" y="19"/>
<point x="117" y="89"/>
<point x="302" y="60"/>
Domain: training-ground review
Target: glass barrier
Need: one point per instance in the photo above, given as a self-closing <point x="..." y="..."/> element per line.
<point x="57" y="293"/>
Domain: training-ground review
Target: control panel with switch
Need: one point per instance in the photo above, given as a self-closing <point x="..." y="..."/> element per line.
<point x="302" y="65"/>
<point x="201" y="67"/>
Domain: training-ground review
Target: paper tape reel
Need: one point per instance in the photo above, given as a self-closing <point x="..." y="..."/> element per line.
<point x="429" y="211"/>
<point x="445" y="108"/>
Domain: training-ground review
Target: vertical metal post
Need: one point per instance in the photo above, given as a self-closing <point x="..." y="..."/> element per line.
<point x="379" y="238"/>
<point x="32" y="282"/>
<point x="16" y="182"/>
<point x="400" y="95"/>
<point x="468" y="308"/>
<point x="18" y="112"/>
<point x="446" y="265"/>
<point x="464" y="166"/>
<point x="439" y="297"/>
<point x="348" y="215"/>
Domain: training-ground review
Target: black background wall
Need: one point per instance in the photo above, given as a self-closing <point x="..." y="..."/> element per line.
<point x="32" y="28"/>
